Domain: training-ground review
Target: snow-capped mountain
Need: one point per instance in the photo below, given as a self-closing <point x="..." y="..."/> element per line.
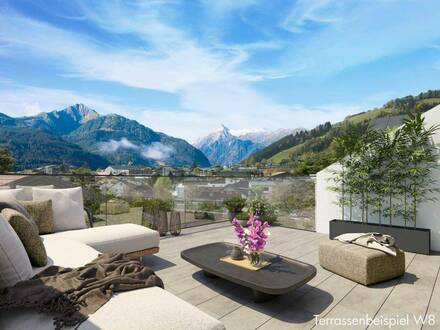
<point x="223" y="148"/>
<point x="228" y="147"/>
<point x="263" y="136"/>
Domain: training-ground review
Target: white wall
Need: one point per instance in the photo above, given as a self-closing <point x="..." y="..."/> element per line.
<point x="327" y="208"/>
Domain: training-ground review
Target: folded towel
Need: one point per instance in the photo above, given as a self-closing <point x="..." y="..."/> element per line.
<point x="376" y="241"/>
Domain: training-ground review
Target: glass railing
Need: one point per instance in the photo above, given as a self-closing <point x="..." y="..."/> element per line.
<point x="198" y="200"/>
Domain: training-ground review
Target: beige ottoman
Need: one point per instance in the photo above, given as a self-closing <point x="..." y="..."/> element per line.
<point x="360" y="264"/>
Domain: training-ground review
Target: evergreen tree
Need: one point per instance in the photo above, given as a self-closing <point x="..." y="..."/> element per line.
<point x="6" y="160"/>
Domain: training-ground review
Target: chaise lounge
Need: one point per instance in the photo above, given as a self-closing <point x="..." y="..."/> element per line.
<point x="149" y="308"/>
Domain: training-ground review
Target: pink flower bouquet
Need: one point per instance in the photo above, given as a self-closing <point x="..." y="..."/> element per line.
<point x="252" y="238"/>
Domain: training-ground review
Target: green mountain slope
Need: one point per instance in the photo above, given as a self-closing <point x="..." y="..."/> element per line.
<point x="121" y="140"/>
<point x="287" y="142"/>
<point x="309" y="151"/>
<point x="33" y="147"/>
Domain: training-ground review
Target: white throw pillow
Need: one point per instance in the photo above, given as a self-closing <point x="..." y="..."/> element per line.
<point x="27" y="191"/>
<point x="8" y="194"/>
<point x="14" y="261"/>
<point x="68" y="207"/>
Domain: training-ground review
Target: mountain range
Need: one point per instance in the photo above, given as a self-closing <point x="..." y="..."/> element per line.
<point x="229" y="147"/>
<point x="78" y="135"/>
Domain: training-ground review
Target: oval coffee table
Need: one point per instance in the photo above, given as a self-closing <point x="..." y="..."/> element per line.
<point x="281" y="276"/>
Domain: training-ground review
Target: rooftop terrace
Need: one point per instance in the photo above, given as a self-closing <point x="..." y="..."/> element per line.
<point x="328" y="295"/>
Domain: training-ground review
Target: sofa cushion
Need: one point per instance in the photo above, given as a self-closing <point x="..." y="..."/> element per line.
<point x="28" y="236"/>
<point x="67" y="207"/>
<point x="42" y="213"/>
<point x="151" y="308"/>
<point x="66" y="253"/>
<point x="124" y="238"/>
<point x="14" y="262"/>
<point x="27" y="194"/>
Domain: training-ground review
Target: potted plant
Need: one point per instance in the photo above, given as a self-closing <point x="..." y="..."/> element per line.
<point x="234" y="205"/>
<point x="263" y="209"/>
<point x="242" y="218"/>
<point x="386" y="175"/>
<point x="154" y="213"/>
<point x="206" y="210"/>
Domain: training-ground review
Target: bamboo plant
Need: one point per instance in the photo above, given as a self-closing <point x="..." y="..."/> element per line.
<point x="421" y="159"/>
<point x="386" y="172"/>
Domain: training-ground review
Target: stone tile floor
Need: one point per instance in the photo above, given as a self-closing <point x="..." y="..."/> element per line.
<point x="328" y="295"/>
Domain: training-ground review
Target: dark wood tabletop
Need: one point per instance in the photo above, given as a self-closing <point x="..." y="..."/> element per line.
<point x="281" y="276"/>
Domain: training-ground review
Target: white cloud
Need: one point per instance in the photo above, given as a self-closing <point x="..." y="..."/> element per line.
<point x="305" y="11"/>
<point x="113" y="146"/>
<point x="173" y="64"/>
<point x="155" y="150"/>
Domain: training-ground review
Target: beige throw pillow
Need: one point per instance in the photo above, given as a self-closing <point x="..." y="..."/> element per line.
<point x="14" y="204"/>
<point x="28" y="236"/>
<point x="14" y="262"/>
<point x="42" y="213"/>
<point x="67" y="205"/>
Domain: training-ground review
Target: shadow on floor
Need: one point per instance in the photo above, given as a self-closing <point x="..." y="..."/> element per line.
<point x="156" y="263"/>
<point x="406" y="278"/>
<point x="293" y="307"/>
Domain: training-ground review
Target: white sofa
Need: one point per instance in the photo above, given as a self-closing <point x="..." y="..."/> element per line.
<point x="150" y="308"/>
<point x="134" y="240"/>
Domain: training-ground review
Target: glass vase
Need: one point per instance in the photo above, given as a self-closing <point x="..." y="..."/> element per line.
<point x="254" y="258"/>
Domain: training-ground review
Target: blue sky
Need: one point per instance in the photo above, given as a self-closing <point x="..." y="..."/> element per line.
<point x="185" y="67"/>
